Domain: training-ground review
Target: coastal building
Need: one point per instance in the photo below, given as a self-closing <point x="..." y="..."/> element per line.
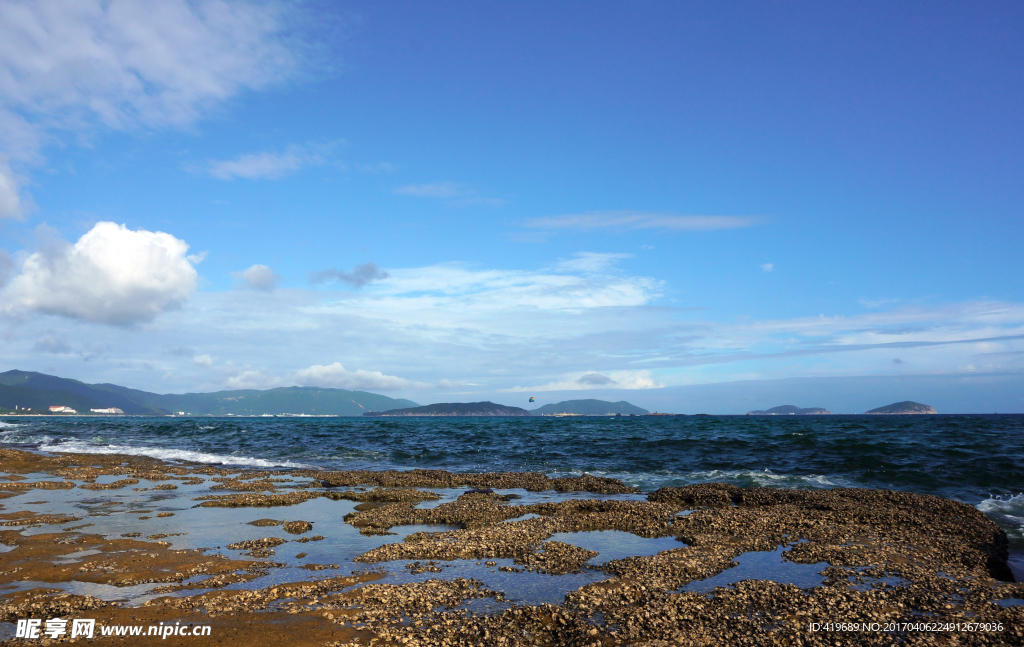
<point x="61" y="409"/>
<point x="109" y="410"/>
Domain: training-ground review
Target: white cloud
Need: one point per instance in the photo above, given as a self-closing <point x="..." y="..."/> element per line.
<point x="6" y="267"/>
<point x="768" y="267"/>
<point x="204" y="361"/>
<point x="268" y="166"/>
<point x="258" y="277"/>
<point x="10" y="201"/>
<point x="337" y="376"/>
<point x="637" y="220"/>
<point x="596" y="379"/>
<point x="591" y="262"/>
<point x="249" y="379"/>
<point x="111" y="275"/>
<point x="127" y="62"/>
<point x="75" y="65"/>
<point x="614" y="380"/>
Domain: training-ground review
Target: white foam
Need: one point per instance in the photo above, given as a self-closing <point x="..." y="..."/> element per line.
<point x="653" y="480"/>
<point x="7" y="425"/>
<point x="999" y="505"/>
<point x="1009" y="511"/>
<point x="760" y="477"/>
<point x="166" y="454"/>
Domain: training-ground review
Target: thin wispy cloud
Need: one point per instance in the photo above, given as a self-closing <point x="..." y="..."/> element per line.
<point x="266" y="165"/>
<point x="79" y="66"/>
<point x="437" y="190"/>
<point x="454" y="193"/>
<point x="591" y="262"/>
<point x="639" y="220"/>
<point x="768" y="267"/>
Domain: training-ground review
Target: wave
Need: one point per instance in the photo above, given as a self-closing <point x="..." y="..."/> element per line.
<point x="648" y="481"/>
<point x="764" y="478"/>
<point x="8" y="425"/>
<point x="165" y="454"/>
<point x="1008" y="510"/>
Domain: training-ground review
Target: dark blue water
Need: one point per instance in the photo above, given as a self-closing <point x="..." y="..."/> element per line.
<point x="978" y="459"/>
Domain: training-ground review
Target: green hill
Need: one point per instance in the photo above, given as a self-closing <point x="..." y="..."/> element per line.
<point x="905" y="407"/>
<point x="589" y="408"/>
<point x="40" y="391"/>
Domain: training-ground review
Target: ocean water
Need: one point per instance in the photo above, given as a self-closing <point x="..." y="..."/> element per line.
<point x="977" y="459"/>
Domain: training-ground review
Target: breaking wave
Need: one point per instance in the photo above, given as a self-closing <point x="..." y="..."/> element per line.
<point x="649" y="481"/>
<point x="1008" y="512"/>
<point x="78" y="447"/>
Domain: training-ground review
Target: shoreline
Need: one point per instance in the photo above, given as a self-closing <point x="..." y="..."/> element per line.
<point x="880" y="554"/>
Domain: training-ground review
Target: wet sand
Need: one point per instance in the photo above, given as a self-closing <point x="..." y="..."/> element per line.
<point x="436" y="558"/>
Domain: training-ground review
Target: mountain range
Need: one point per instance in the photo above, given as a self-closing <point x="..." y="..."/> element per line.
<point x="39" y="391"/>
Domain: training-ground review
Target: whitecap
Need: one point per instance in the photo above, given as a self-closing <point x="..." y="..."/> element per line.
<point x="1013" y="504"/>
<point x="650" y="481"/>
<point x="166" y="454"/>
<point x="1007" y="512"/>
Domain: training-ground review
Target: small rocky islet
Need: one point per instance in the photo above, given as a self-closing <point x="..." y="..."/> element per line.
<point x="901" y="562"/>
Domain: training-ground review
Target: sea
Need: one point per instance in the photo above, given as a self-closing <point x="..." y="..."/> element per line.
<point x="976" y="459"/>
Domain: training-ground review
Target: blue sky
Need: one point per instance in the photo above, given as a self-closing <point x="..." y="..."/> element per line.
<point x="461" y="201"/>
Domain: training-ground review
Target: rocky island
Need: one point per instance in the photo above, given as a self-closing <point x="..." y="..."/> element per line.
<point x="488" y="409"/>
<point x="903" y="408"/>
<point x="791" y="410"/>
<point x="589" y="407"/>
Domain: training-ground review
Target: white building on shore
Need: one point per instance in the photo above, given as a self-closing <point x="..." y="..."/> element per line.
<point x="109" y="410"/>
<point x="61" y="409"/>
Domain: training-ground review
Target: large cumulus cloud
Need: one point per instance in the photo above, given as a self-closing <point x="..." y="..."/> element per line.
<point x="112" y="275"/>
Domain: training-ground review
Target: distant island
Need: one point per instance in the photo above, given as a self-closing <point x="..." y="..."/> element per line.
<point x="460" y="409"/>
<point x="903" y="408"/>
<point x="791" y="410"/>
<point x="34" y="393"/>
<point x="589" y="408"/>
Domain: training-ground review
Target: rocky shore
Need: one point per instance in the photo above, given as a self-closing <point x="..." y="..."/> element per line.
<point x="902" y="568"/>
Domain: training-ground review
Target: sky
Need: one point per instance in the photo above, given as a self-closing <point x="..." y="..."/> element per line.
<point x="695" y="207"/>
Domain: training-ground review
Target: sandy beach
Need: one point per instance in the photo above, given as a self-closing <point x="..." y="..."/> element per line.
<point x="429" y="557"/>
